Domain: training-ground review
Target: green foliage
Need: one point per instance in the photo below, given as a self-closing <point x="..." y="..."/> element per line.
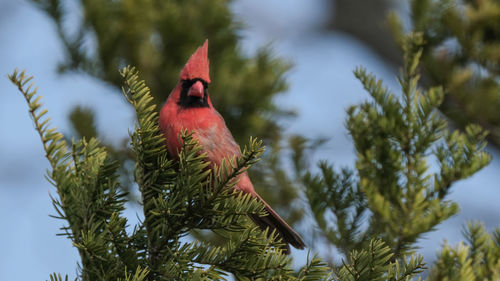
<point x="396" y="188"/>
<point x="176" y="198"/>
<point x="374" y="264"/>
<point x="89" y="198"/>
<point x="58" y="277"/>
<point x="337" y="193"/>
<point x="314" y="270"/>
<point x="462" y="53"/>
<point x="158" y="37"/>
<point x="140" y="275"/>
<point x="477" y="259"/>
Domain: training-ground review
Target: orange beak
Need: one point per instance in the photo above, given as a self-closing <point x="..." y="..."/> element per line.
<point x="196" y="90"/>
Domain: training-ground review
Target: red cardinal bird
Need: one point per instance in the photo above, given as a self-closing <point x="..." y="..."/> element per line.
<point x="189" y="107"/>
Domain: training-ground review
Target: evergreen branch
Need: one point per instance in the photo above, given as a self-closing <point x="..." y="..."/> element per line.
<point x="227" y="174"/>
<point x="140" y="275"/>
<point x="211" y="204"/>
<point x="88" y="191"/>
<point x="314" y="270"/>
<point x="382" y="96"/>
<point x="406" y="269"/>
<point x="53" y="142"/>
<point x="58" y="277"/>
<point x="369" y="264"/>
<point x="267" y="258"/>
<point x="393" y="139"/>
<point x="374" y="264"/>
<point x="477" y="259"/>
<point x="336" y="193"/>
<point x="153" y="170"/>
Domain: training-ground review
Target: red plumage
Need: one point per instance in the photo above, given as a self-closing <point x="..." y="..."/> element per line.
<point x="197" y="65"/>
<point x="189" y="107"/>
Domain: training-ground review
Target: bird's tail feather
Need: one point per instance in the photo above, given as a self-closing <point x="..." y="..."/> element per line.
<point x="283" y="230"/>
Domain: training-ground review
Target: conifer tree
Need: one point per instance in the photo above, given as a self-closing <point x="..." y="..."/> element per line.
<point x="395" y="187"/>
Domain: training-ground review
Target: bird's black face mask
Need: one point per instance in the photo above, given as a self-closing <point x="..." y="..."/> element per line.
<point x="192" y="95"/>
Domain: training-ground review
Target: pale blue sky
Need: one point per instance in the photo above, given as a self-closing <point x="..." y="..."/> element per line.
<point x="322" y="86"/>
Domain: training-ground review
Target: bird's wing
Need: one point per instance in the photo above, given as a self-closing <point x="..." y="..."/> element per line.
<point x="218" y="142"/>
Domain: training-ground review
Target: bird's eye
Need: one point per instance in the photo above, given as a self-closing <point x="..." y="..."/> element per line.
<point x="187" y="83"/>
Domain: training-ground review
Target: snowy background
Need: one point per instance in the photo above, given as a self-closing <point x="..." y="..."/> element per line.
<point x="322" y="86"/>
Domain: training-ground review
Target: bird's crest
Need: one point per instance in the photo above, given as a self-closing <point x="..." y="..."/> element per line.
<point x="197" y="65"/>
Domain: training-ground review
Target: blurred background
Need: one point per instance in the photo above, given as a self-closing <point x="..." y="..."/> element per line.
<point x="300" y="52"/>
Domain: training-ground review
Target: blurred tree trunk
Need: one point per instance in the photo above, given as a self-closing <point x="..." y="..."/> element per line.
<point x="366" y="21"/>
